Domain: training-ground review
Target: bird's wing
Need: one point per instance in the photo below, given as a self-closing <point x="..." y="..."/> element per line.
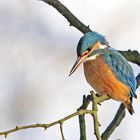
<point x="121" y="68"/>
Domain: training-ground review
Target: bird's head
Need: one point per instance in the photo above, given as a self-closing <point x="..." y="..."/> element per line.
<point x="88" y="43"/>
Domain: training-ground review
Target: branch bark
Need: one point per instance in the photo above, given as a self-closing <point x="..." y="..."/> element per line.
<point x="61" y="130"/>
<point x="95" y="117"/>
<point x="45" y="126"/>
<point x="86" y="101"/>
<point x="72" y="19"/>
<point x="81" y="111"/>
<point x="82" y="125"/>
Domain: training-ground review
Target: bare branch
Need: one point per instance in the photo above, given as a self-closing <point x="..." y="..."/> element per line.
<point x="82" y="125"/>
<point x="95" y="117"/>
<point x="86" y="101"/>
<point x="72" y="19"/>
<point x="45" y="126"/>
<point x="81" y="112"/>
<point x="61" y="130"/>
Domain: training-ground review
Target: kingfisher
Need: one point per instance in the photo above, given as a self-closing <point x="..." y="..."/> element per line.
<point x="105" y="69"/>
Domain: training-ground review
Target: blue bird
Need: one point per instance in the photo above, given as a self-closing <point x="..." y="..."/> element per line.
<point x="105" y="69"/>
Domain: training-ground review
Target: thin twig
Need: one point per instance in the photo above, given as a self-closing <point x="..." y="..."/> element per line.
<point x="72" y="19"/>
<point x="61" y="130"/>
<point x="45" y="126"/>
<point x="80" y="112"/>
<point x="95" y="117"/>
<point x="82" y="124"/>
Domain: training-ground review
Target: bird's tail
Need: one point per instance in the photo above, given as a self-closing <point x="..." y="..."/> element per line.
<point x="129" y="107"/>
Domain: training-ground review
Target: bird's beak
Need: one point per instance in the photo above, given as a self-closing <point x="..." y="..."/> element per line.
<point x="77" y="63"/>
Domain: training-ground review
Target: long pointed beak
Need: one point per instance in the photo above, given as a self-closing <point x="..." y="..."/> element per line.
<point x="77" y="63"/>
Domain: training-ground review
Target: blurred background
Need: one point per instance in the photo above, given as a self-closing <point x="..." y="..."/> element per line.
<point x="37" y="50"/>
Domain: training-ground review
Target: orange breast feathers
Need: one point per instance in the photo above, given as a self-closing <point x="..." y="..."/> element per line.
<point x="102" y="79"/>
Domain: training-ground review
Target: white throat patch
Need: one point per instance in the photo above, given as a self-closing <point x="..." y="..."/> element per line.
<point x="92" y="57"/>
<point x="102" y="46"/>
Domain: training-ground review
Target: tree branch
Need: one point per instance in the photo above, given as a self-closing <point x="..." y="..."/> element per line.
<point x="81" y="111"/>
<point x="86" y="101"/>
<point x="95" y="117"/>
<point x="72" y="19"/>
<point x="61" y="130"/>
<point x="45" y="126"/>
<point x="82" y="124"/>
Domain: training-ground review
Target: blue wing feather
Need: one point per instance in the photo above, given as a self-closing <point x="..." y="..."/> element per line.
<point x="121" y="68"/>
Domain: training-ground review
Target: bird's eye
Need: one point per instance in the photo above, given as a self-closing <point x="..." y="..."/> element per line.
<point x="85" y="52"/>
<point x="89" y="49"/>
